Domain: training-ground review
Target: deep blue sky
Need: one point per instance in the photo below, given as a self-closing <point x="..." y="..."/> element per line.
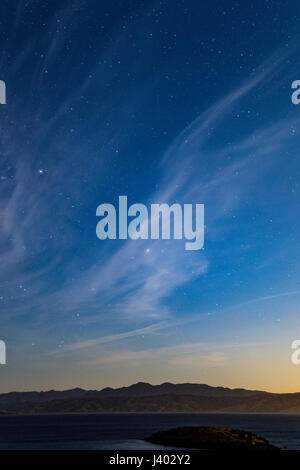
<point x="163" y="101"/>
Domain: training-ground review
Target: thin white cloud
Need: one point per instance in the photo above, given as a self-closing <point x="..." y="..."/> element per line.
<point x="111" y="338"/>
<point x="140" y="286"/>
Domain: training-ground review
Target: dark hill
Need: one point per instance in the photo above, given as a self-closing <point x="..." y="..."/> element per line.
<point x="143" y="397"/>
<point x="209" y="437"/>
<point x="146" y="389"/>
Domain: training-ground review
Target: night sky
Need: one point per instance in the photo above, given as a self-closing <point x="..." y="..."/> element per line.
<point x="163" y="101"/>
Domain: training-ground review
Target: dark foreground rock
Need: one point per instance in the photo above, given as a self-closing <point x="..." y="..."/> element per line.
<point x="208" y="437"/>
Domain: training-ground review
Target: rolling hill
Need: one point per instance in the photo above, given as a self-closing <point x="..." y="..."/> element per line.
<point x="144" y="397"/>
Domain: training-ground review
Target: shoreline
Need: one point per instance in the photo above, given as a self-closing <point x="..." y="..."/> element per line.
<point x="151" y="413"/>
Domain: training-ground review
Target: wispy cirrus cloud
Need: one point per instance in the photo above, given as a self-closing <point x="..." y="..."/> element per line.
<point x="135" y="280"/>
<point x="111" y="338"/>
<point x="135" y="283"/>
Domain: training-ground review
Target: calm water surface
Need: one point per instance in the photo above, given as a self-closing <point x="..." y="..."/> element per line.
<point x="126" y="431"/>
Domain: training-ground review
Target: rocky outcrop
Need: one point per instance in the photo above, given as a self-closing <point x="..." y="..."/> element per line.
<point x="209" y="437"/>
